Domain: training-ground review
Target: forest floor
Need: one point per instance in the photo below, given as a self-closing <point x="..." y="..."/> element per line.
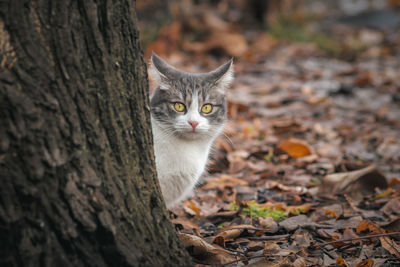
<point x="308" y="172"/>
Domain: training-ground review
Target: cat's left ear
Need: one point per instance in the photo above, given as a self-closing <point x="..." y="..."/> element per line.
<point x="222" y="76"/>
<point x="162" y="72"/>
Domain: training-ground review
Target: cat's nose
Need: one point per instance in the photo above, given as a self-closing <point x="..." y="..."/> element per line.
<point x="193" y="124"/>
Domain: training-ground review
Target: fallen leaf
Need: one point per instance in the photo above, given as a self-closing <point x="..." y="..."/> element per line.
<point x="295" y="210"/>
<point x="302" y="238"/>
<point x="393" y="226"/>
<point x="340" y="262"/>
<point x="345" y="223"/>
<point x="220" y="217"/>
<point x="268" y="224"/>
<point x="295" y="148"/>
<point x="385" y="193"/>
<point x="331" y="213"/>
<point x="191" y="208"/>
<point x="204" y="252"/>
<point x="390" y="245"/>
<point x="230" y="232"/>
<point x="372" y="227"/>
<point x="222" y="182"/>
<point x="227" y="235"/>
<point x="185" y="224"/>
<point x="394" y="182"/>
<point x="349" y="233"/>
<point x="299" y="262"/>
<point x="366" y="263"/>
<point x="392" y="207"/>
<point x="329" y="234"/>
<point x="276" y="185"/>
<point x="363" y="226"/>
<point x="356" y="184"/>
<point x="295" y="222"/>
<point x="271" y="248"/>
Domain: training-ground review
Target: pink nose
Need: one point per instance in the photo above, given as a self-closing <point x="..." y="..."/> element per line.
<point x="194" y="124"/>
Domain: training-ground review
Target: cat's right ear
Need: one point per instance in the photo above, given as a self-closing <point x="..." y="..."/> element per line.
<point x="162" y="71"/>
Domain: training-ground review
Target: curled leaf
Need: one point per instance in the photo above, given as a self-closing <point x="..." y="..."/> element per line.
<point x="295" y="148"/>
<point x="356" y="184"/>
<point x="204" y="252"/>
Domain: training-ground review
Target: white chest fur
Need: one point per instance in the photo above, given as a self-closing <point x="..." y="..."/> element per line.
<point x="179" y="162"/>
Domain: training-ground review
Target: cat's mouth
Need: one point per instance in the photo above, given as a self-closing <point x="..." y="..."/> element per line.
<point x="190" y="134"/>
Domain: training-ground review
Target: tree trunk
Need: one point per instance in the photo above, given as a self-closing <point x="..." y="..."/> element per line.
<point x="78" y="182"/>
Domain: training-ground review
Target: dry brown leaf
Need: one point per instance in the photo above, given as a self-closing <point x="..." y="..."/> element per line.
<point x="204" y="252"/>
<point x="255" y="245"/>
<point x="393" y="226"/>
<point x="185" y="224"/>
<point x="349" y="233"/>
<point x="191" y="208"/>
<point x="340" y="262"/>
<point x="236" y="165"/>
<point x="222" y="216"/>
<point x="302" y="238"/>
<point x="276" y="185"/>
<point x="299" y="262"/>
<point x="239" y="226"/>
<point x="385" y="193"/>
<point x="227" y="235"/>
<point x="363" y="226"/>
<point x="295" y="210"/>
<point x="373" y="228"/>
<point x="331" y="213"/>
<point x="222" y="182"/>
<point x="329" y="234"/>
<point x="268" y="224"/>
<point x="394" y="182"/>
<point x="295" y="222"/>
<point x="391" y="207"/>
<point x="356" y="184"/>
<point x="271" y="205"/>
<point x="366" y="263"/>
<point x="271" y="248"/>
<point x="295" y="148"/>
<point x="230" y="232"/>
<point x="390" y="245"/>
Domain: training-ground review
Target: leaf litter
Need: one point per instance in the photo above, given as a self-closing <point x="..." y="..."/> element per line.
<point x="308" y="172"/>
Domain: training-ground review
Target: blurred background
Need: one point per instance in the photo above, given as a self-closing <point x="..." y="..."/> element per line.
<point x="324" y="72"/>
<point x="249" y="29"/>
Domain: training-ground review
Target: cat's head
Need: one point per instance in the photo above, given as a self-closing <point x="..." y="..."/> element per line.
<point x="187" y="105"/>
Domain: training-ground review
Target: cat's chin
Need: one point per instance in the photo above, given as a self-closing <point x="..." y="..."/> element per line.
<point x="190" y="135"/>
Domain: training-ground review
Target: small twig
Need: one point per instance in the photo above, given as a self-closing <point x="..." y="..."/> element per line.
<point x="246" y="228"/>
<point x="355" y="239"/>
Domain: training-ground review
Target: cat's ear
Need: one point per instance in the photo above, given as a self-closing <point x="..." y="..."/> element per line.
<point x="162" y="71"/>
<point x="222" y="76"/>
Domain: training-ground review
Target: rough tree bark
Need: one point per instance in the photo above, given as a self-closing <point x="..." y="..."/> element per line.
<point x="78" y="183"/>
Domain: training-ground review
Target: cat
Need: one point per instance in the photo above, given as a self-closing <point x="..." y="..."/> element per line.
<point x="188" y="112"/>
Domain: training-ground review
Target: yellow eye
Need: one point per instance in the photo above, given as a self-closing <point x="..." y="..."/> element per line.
<point x="207" y="108"/>
<point x="179" y="106"/>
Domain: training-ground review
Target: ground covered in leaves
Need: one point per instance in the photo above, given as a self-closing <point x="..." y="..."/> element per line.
<point x="307" y="173"/>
